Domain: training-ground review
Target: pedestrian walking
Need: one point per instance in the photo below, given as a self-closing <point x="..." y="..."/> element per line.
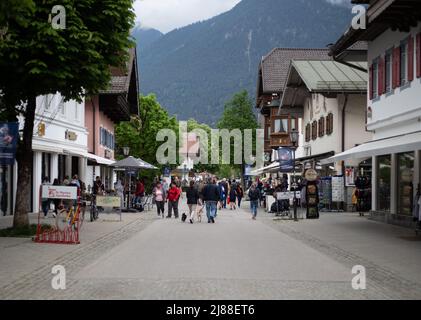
<point x="192" y="195"/>
<point x="254" y="195"/>
<point x="233" y="197"/>
<point x="159" y="195"/>
<point x="211" y="196"/>
<point x="173" y="197"/>
<point x="240" y="194"/>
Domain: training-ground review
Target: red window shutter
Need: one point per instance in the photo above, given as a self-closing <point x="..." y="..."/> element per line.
<point x="370" y="84"/>
<point x="381" y="80"/>
<point x="410" y="58"/>
<point x="419" y="55"/>
<point x="396" y="67"/>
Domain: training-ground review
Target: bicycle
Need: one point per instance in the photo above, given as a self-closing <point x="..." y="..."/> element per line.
<point x="72" y="217"/>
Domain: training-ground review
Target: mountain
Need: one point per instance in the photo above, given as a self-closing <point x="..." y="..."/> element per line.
<point x="145" y="37"/>
<point x="195" y="69"/>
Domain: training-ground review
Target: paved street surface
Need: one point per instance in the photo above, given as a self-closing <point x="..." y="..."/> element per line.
<point x="145" y="257"/>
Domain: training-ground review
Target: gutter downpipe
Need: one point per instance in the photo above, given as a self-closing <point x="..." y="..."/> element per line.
<point x="343" y="135"/>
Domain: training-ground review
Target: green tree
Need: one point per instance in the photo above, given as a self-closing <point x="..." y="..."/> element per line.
<point x="37" y="59"/>
<point x="139" y="134"/>
<point x="238" y="114"/>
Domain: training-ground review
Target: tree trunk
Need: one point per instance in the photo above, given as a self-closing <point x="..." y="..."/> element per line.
<point x="24" y="159"/>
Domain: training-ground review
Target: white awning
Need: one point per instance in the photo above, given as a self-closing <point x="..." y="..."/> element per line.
<point x="100" y="160"/>
<point x="398" y="144"/>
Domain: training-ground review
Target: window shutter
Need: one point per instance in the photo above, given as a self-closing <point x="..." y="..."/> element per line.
<point x="396" y="68"/>
<point x="370" y="85"/>
<point x="419" y="55"/>
<point x="381" y="78"/>
<point x="410" y="58"/>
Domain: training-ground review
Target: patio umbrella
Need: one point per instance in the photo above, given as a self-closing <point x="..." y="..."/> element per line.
<point x="132" y="163"/>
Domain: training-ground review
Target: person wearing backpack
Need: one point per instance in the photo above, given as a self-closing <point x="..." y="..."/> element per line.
<point x="254" y="195"/>
<point x="240" y="195"/>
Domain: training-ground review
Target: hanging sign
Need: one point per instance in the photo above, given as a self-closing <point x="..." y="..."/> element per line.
<point x="286" y="159"/>
<point x="9" y="135"/>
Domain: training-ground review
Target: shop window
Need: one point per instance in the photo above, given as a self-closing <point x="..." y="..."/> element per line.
<point x="383" y="183"/>
<point x="308" y="134"/>
<point x="314" y="130"/>
<point x="375" y="79"/>
<point x="321" y="127"/>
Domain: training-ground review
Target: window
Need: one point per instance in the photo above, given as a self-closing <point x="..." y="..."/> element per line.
<point x="321" y="127"/>
<point x="277" y="125"/>
<point x="76" y="110"/>
<point x="62" y="107"/>
<point x="388" y="72"/>
<point x="280" y="125"/>
<point x="268" y="133"/>
<point x="308" y="134"/>
<point x="314" y="130"/>
<point x="404" y="63"/>
<point x="329" y="124"/>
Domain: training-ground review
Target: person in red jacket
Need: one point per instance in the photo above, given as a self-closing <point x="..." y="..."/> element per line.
<point x="173" y="195"/>
<point x="140" y="192"/>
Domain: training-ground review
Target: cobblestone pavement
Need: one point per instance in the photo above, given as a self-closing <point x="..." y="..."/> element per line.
<point x="236" y="258"/>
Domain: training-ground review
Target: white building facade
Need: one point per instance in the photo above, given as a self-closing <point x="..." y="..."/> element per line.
<point x="393" y="112"/>
<point x="59" y="144"/>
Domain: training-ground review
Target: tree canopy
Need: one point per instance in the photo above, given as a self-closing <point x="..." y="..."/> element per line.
<point x="38" y="59"/>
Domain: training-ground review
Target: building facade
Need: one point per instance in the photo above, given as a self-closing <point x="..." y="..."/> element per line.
<point x="393" y="106"/>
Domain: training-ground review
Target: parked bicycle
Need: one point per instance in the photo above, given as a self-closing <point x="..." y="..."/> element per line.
<point x="71" y="217"/>
<point x="94" y="211"/>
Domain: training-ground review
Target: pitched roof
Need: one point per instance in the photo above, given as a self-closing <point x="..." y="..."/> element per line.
<point x="330" y="76"/>
<point x="120" y="77"/>
<point x="274" y="67"/>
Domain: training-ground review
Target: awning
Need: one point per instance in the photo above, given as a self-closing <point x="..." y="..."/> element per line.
<point x="273" y="167"/>
<point x="398" y="144"/>
<point x="100" y="160"/>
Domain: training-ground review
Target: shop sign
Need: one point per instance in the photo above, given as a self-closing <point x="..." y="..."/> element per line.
<point x="9" y="135"/>
<point x="288" y="195"/>
<point x="311" y="175"/>
<point x="70" y="135"/>
<point x="59" y="192"/>
<point x="108" y="202"/>
<point x="286" y="159"/>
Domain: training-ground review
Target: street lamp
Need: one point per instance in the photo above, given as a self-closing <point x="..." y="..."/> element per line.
<point x="294" y="141"/>
<point x="126" y="151"/>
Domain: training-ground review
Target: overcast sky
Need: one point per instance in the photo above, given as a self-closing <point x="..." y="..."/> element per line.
<point x="166" y="15"/>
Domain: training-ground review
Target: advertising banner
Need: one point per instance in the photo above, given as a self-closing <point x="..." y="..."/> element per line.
<point x="108" y="202"/>
<point x="59" y="192"/>
<point x="286" y="160"/>
<point x="289" y="195"/>
<point x="9" y="135"/>
<point x="338" y="189"/>
<point x="349" y="177"/>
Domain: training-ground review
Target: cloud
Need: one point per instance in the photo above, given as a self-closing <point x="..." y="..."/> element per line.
<point x="166" y="15"/>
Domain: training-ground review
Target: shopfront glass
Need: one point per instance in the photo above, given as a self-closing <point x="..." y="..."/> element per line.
<point x="5" y="190"/>
<point x="383" y="183"/>
<point x="405" y="182"/>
